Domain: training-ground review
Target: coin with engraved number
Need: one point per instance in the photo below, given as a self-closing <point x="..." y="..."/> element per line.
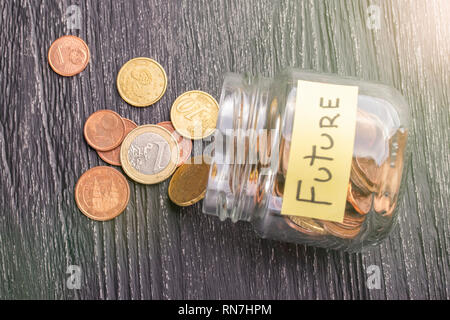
<point x="194" y="114"/>
<point x="188" y="184"/>
<point x="104" y="130"/>
<point x="149" y="154"/>
<point x="102" y="193"/>
<point x="68" y="55"/>
<point x="141" y="82"/>
<point x="184" y="143"/>
<point x="113" y="156"/>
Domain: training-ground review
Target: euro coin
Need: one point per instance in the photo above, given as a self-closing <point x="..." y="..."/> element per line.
<point x="184" y="143"/>
<point x="102" y="193"/>
<point x="386" y="197"/>
<point x="104" y="130"/>
<point x="113" y="156"/>
<point x="188" y="184"/>
<point x="68" y="55"/>
<point x="369" y="169"/>
<point x="305" y="225"/>
<point x="194" y="114"/>
<point x="352" y="219"/>
<point x="362" y="203"/>
<point x="341" y="231"/>
<point x="149" y="154"/>
<point x="358" y="178"/>
<point x="141" y="82"/>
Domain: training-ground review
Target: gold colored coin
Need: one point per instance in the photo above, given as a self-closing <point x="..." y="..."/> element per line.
<point x="194" y="114"/>
<point x="141" y="82"/>
<point x="188" y="184"/>
<point x="149" y="154"/>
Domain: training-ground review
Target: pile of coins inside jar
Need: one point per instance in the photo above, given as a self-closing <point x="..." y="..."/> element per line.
<point x="148" y="154"/>
<point x="369" y="190"/>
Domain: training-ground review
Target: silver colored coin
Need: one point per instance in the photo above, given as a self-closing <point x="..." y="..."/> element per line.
<point x="149" y="153"/>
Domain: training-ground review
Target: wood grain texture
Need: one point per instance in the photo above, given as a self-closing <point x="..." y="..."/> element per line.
<point x="156" y="250"/>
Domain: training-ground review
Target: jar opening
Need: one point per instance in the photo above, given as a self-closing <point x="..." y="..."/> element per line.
<point x="240" y="139"/>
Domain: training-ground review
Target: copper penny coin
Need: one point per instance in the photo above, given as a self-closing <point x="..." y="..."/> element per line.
<point x="102" y="193"/>
<point x="185" y="144"/>
<point x="341" y="231"/>
<point x="386" y="197"/>
<point x="113" y="156"/>
<point x="369" y="169"/>
<point x="68" y="55"/>
<point x="362" y="203"/>
<point x="104" y="130"/>
<point x="305" y="225"/>
<point x="353" y="218"/>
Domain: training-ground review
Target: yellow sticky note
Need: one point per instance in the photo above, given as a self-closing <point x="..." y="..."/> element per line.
<point x="321" y="151"/>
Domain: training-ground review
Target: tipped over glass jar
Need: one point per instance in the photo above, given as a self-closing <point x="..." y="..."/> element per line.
<point x="342" y="193"/>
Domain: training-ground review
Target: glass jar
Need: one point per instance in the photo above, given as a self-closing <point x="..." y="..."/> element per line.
<point x="251" y="157"/>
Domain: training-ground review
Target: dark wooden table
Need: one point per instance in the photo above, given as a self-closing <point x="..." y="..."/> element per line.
<point x="156" y="250"/>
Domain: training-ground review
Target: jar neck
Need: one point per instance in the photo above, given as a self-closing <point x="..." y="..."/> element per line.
<point x="243" y="141"/>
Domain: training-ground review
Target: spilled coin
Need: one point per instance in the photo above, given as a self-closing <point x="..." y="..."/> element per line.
<point x="184" y="143"/>
<point x="149" y="154"/>
<point x="194" y="114"/>
<point x="141" y="82"/>
<point x="68" y="55"/>
<point x="113" y="156"/>
<point x="104" y="130"/>
<point x="188" y="184"/>
<point x="102" y="193"/>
